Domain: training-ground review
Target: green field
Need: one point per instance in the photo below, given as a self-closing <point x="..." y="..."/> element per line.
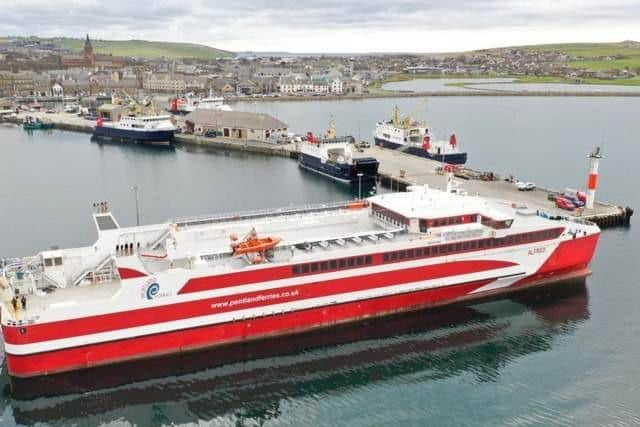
<point x="140" y="48"/>
<point x="145" y="49"/>
<point x="597" y="56"/>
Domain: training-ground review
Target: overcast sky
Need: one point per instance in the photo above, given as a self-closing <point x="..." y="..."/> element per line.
<point x="330" y="25"/>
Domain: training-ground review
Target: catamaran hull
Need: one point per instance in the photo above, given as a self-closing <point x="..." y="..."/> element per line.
<point x="210" y="318"/>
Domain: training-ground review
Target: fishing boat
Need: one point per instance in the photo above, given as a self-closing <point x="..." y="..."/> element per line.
<point x="144" y="291"/>
<point x="332" y="156"/>
<point x="413" y="137"/>
<point x="155" y="130"/>
<point x="34" y="123"/>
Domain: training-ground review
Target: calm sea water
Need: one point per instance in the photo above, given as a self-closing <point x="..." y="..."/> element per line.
<point x="497" y="84"/>
<point x="559" y="356"/>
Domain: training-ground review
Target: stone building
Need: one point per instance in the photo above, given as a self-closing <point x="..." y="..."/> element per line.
<point x="234" y="124"/>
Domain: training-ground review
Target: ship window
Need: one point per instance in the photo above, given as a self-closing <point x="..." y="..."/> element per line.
<point x="481" y="244"/>
<point x="509" y="240"/>
<point x="57" y="261"/>
<point x="350" y="262"/>
<point x="360" y="260"/>
<point x="458" y="220"/>
<point x="452" y="247"/>
<point x="324" y="266"/>
<point x="418" y="252"/>
<point x="305" y="268"/>
<point x="401" y="255"/>
<point x="443" y="249"/>
<point x="394" y="256"/>
<point x="465" y="246"/>
<point x="48" y="262"/>
<point x="426" y="251"/>
<point x="296" y="269"/>
<point x="458" y="247"/>
<point x="385" y="257"/>
<point x="342" y="263"/>
<point x="410" y="253"/>
<point x="314" y="267"/>
<point x="333" y="264"/>
<point x="368" y="259"/>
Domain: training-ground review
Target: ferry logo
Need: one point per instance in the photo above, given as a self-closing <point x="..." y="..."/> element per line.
<point x="152" y="290"/>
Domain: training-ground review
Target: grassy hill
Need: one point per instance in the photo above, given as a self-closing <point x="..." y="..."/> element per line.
<point x="597" y="56"/>
<point x="146" y="49"/>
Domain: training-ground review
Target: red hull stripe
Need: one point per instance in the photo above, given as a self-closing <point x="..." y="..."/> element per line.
<point x="129" y="273"/>
<point x="283" y="272"/>
<point x="240" y="301"/>
<point x="191" y="339"/>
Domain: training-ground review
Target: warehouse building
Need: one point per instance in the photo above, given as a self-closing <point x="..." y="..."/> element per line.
<point x="233" y="124"/>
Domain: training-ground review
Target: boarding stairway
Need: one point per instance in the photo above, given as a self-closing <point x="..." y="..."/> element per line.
<point x="103" y="271"/>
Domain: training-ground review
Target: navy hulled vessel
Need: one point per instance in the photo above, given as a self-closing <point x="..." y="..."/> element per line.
<point x="413" y="137"/>
<point x="332" y="156"/>
<point x="157" y="130"/>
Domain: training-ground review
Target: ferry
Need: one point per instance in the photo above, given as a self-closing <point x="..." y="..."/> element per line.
<point x="188" y="104"/>
<point x="144" y="291"/>
<point x="414" y="138"/>
<point x="156" y="130"/>
<point x="332" y="157"/>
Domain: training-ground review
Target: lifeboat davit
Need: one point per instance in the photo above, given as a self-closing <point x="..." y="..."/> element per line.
<point x="255" y="245"/>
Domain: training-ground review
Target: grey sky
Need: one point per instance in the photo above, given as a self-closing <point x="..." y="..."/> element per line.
<point x="330" y="25"/>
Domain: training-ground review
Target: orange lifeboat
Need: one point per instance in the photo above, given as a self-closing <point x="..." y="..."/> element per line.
<point x="255" y="245"/>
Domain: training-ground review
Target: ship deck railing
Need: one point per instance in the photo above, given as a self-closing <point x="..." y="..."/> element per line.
<point x="264" y="213"/>
<point x="358" y="239"/>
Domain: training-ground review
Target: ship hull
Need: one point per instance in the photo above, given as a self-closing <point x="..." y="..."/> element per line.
<point x="451" y="158"/>
<point x="344" y="173"/>
<point x="384" y="293"/>
<point x="155" y="137"/>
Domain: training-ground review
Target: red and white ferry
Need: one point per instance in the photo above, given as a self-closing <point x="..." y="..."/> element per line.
<point x="145" y="291"/>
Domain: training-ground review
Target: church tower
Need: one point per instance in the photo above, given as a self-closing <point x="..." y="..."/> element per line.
<point x="89" y="56"/>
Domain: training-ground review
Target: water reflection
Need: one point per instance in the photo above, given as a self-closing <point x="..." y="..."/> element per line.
<point x="478" y="339"/>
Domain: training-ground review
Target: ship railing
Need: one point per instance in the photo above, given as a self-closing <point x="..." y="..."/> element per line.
<point x="262" y="213"/>
<point x="356" y="238"/>
<point x="581" y="221"/>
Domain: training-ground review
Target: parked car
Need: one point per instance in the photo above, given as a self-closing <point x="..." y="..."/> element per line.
<point x="565" y="204"/>
<point x="581" y="196"/>
<point x="525" y="186"/>
<point x="574" y="200"/>
<point x="553" y="196"/>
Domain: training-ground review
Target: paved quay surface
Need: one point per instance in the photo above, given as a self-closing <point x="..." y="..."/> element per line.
<point x="420" y="171"/>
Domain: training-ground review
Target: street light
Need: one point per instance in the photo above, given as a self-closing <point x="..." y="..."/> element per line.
<point x="360" y="185"/>
<point x="135" y="191"/>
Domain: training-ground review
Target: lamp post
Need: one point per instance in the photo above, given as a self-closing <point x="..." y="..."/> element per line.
<point x="135" y="192"/>
<point x="360" y="185"/>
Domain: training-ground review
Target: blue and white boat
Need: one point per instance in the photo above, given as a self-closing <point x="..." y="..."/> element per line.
<point x="413" y="137"/>
<point x="156" y="130"/>
<point x="333" y="157"/>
